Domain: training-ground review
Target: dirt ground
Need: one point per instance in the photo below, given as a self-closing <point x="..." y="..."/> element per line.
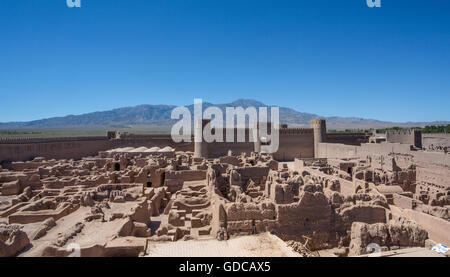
<point x="262" y="245"/>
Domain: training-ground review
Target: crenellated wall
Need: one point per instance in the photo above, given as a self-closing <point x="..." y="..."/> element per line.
<point x="412" y="137"/>
<point x="53" y="148"/>
<point x="78" y="147"/>
<point x="293" y="143"/>
<point x="347" y="138"/>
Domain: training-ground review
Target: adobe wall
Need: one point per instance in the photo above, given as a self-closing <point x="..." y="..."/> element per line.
<point x="435" y="140"/>
<point x="437" y="228"/>
<point x="154" y="140"/>
<point x="434" y="158"/>
<point x="431" y="166"/>
<point x="412" y="137"/>
<point x="347" y="138"/>
<point x="346" y="187"/>
<point x="220" y="149"/>
<point x="337" y="151"/>
<point x="295" y="143"/>
<point x="55" y="148"/>
<point x="186" y="175"/>
<point x="435" y="174"/>
<point x="79" y="147"/>
<point x="384" y="148"/>
<point x="342" y="151"/>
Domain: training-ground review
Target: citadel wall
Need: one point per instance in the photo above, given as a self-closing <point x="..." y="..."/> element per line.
<point x="347" y="138"/>
<point x="433" y="158"/>
<point x="295" y="143"/>
<point x="52" y="148"/>
<point x="154" y="140"/>
<point x="220" y="149"/>
<point x="442" y="140"/>
<point x="413" y="137"/>
<point x="334" y="151"/>
<point x="78" y="147"/>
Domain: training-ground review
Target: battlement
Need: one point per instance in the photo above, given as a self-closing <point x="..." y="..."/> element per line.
<point x="296" y="131"/>
<point x="403" y="132"/>
<point x="29" y="140"/>
<point x="346" y="134"/>
<point x="410" y="136"/>
<point x="317" y="123"/>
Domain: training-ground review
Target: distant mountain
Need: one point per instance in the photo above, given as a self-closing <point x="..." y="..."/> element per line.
<point x="159" y="115"/>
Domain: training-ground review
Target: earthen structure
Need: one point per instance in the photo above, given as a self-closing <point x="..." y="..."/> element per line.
<point x="126" y="195"/>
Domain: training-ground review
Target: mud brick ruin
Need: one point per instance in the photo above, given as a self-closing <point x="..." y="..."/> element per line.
<point x="121" y="194"/>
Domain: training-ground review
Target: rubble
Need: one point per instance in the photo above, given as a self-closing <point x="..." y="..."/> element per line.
<point x="113" y="204"/>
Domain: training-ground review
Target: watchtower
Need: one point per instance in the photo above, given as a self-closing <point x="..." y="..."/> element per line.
<point x="320" y="130"/>
<point x="200" y="145"/>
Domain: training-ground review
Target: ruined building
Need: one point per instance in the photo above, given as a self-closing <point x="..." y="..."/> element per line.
<point x="131" y="195"/>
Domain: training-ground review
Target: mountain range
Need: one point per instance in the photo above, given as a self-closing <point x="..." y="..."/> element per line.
<point x="159" y="115"/>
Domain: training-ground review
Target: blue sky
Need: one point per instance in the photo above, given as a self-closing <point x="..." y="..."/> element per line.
<point x="329" y="57"/>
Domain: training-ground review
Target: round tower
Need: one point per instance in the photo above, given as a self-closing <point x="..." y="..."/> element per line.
<point x="320" y="130"/>
<point x="200" y="145"/>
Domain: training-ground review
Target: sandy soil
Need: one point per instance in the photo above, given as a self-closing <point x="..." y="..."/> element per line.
<point x="262" y="245"/>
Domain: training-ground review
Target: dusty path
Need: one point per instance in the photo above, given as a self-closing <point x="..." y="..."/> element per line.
<point x="262" y="245"/>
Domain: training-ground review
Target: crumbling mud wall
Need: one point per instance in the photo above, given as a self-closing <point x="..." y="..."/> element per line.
<point x="55" y="148"/>
<point x="79" y="147"/>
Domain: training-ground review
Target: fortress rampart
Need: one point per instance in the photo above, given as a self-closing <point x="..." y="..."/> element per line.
<point x="49" y="140"/>
<point x="52" y="148"/>
<point x="413" y="137"/>
<point x="430" y="141"/>
<point x="347" y="138"/>
<point x="77" y="147"/>
<point x="293" y="143"/>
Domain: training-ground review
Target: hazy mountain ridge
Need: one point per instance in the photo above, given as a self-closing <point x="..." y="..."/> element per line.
<point x="159" y="115"/>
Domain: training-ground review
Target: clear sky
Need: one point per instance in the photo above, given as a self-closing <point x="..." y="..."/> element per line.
<point x="329" y="57"/>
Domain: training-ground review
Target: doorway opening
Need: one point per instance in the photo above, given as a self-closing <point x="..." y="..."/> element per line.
<point x="163" y="178"/>
<point x="350" y="171"/>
